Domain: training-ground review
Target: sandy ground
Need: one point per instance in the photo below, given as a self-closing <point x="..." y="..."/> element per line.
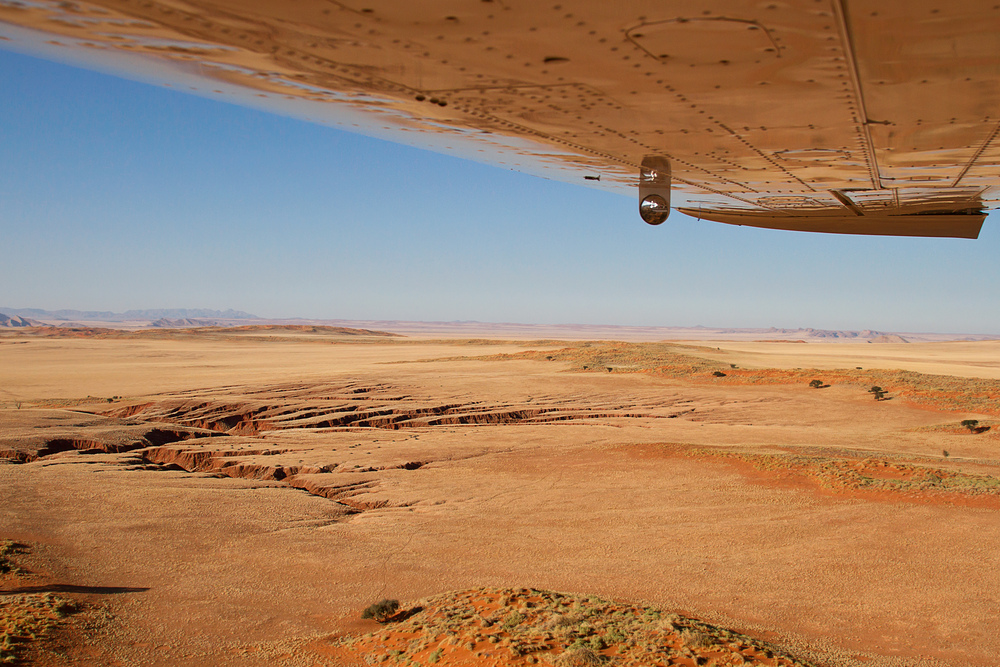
<point x="979" y="359"/>
<point x="344" y="472"/>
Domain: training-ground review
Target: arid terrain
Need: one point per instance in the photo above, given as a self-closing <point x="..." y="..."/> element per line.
<point x="239" y="496"/>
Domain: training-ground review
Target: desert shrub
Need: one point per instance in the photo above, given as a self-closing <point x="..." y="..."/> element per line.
<point x="8" y="654"/>
<point x="513" y="620"/>
<point x="671" y="621"/>
<point x="8" y="548"/>
<point x="815" y="384"/>
<point x="65" y="608"/>
<point x="614" y="636"/>
<point x="381" y="611"/>
<point x="578" y="656"/>
<point x="560" y="621"/>
<point x="878" y="392"/>
<point x="695" y="638"/>
<point x="970" y="424"/>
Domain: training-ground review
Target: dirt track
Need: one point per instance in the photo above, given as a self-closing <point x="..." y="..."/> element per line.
<point x="333" y="479"/>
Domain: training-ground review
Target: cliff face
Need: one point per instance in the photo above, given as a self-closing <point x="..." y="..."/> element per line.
<point x="31" y="434"/>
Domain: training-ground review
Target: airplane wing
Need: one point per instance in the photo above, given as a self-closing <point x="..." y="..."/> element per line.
<point x="844" y="116"/>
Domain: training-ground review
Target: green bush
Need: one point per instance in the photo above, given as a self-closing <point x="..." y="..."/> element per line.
<point x="381" y="611"/>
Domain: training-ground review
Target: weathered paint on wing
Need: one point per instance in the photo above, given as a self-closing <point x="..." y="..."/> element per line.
<point x="853" y="116"/>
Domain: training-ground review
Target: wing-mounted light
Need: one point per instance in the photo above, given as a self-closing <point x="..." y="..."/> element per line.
<point x="654" y="189"/>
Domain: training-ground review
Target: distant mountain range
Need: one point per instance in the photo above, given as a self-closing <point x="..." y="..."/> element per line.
<point x="809" y="332"/>
<point x="130" y="315"/>
<point x="181" y="318"/>
<point x="18" y="321"/>
<point x="471" y="329"/>
<point x="190" y="322"/>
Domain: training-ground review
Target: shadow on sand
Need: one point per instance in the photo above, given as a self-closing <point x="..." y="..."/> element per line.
<point x="69" y="588"/>
<point x="403" y="615"/>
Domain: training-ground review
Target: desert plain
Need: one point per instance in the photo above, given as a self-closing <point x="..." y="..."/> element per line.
<point x="239" y="497"/>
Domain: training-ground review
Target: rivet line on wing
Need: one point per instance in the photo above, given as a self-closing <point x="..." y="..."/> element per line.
<point x="978" y="154"/>
<point x="843" y="25"/>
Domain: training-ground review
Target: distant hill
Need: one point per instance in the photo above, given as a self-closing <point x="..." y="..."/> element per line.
<point x="888" y="338"/>
<point x="17" y="321"/>
<point x="194" y="322"/>
<point x="182" y="322"/>
<point x="809" y="332"/>
<point x="131" y="315"/>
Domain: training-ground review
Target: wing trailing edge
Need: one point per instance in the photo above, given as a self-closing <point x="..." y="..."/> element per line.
<point x="952" y="225"/>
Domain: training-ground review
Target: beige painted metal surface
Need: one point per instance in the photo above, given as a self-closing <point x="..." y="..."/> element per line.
<point x="850" y="116"/>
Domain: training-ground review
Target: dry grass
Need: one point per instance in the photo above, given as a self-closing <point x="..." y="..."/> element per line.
<point x="904" y="480"/>
<point x="682" y="361"/>
<point x="528" y="626"/>
<point x="27" y="617"/>
<point x="617" y="357"/>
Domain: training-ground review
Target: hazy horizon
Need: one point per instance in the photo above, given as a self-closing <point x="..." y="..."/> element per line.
<point x="143" y="314"/>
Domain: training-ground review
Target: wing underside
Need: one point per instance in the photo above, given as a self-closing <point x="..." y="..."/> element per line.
<point x="846" y="116"/>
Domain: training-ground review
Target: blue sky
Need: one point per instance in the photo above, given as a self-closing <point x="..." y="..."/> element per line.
<point x="116" y="195"/>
